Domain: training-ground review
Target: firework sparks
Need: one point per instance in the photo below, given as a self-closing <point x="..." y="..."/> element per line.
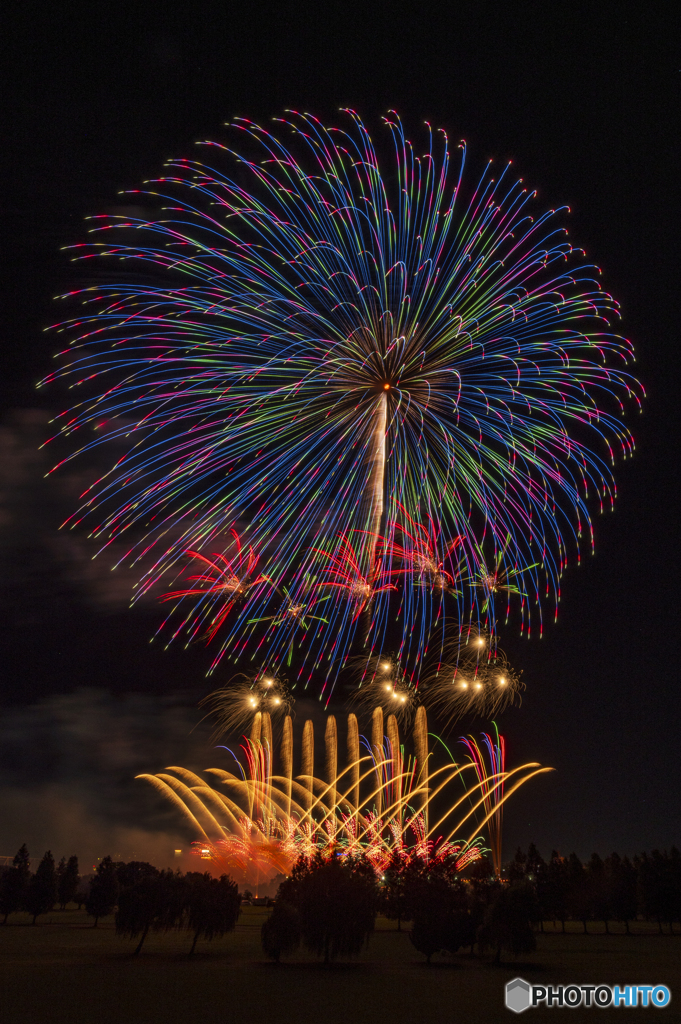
<point x="222" y="583"/>
<point x="383" y="684"/>
<point x="475" y="677"/>
<point x="314" y="351"/>
<point x="234" y="705"/>
<point x="257" y="823"/>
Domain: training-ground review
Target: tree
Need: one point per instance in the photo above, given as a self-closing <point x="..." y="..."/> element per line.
<point x="280" y="933"/>
<point x="337" y="902"/>
<point x="41" y="894"/>
<point x="68" y="881"/>
<point x="81" y="894"/>
<point x="621" y="882"/>
<point x="156" y="902"/>
<point x="657" y="883"/>
<point x="440" y="907"/>
<point x="508" y="921"/>
<point x="134" y="871"/>
<point x="214" y="906"/>
<point x="675" y="884"/>
<point x="14" y="884"/>
<point x="535" y="862"/>
<point x="599" y="894"/>
<point x="103" y="894"/>
<point x="578" y="891"/>
<point x="553" y="895"/>
<point x="516" y="869"/>
<point x="394" y="890"/>
<point x="482" y="869"/>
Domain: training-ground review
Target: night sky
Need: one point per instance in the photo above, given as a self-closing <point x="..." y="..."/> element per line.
<point x="586" y="104"/>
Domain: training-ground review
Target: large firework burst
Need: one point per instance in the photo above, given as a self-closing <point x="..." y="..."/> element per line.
<point x="321" y="348"/>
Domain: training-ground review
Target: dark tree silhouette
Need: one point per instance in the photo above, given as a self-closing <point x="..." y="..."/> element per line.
<point x="578" y="891"/>
<point x="103" y="893"/>
<point x="394" y="890"/>
<point x="156" y="902"/>
<point x="213" y="904"/>
<point x="508" y="921"/>
<point x="337" y="903"/>
<point x="600" y="908"/>
<point x="82" y="891"/>
<point x="68" y="880"/>
<point x="134" y="871"/>
<point x="555" y="893"/>
<point x="656" y="886"/>
<point x="534" y="862"/>
<point x="537" y="872"/>
<point x="443" y="909"/>
<point x="41" y="894"/>
<point x="516" y="869"/>
<point x="14" y="884"/>
<point x="482" y="869"/>
<point x="621" y="883"/>
<point x="280" y="933"/>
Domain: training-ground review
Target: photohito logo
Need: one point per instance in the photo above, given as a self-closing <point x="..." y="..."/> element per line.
<point x="520" y="995"/>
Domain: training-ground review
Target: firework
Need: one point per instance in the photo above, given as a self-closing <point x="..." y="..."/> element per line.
<point x="384" y="684"/>
<point x="235" y="704"/>
<point x="491" y="780"/>
<point x="474" y="677"/>
<point x="256" y="823"/>
<point x="221" y="584"/>
<point x="312" y="349"/>
<point x="422" y="555"/>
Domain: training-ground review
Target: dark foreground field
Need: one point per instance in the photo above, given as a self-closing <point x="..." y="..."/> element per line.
<point x="63" y="970"/>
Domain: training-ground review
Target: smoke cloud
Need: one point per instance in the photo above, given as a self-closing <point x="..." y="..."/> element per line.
<point x="67" y="775"/>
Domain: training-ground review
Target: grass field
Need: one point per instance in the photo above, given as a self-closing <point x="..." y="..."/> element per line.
<point x="65" y="972"/>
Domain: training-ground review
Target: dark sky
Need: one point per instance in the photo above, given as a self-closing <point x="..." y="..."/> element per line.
<point x="586" y="103"/>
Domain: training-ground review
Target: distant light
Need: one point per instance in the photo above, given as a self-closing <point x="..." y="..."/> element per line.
<point x="267" y="682"/>
<point x="277" y="700"/>
<point x="387" y="686"/>
<point x="178" y="851"/>
<point x="502" y="681"/>
<point x="464" y="686"/>
<point x="386" y="387"/>
<point x="403" y="699"/>
<point x="478" y="686"/>
<point x="480" y="640"/>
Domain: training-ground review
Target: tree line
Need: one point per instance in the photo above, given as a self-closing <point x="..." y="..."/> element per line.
<point x="329" y="903"/>
<point x="142" y="898"/>
<point x="614" y="889"/>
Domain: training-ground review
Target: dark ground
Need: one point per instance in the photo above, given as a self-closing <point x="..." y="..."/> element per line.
<point x="65" y="972"/>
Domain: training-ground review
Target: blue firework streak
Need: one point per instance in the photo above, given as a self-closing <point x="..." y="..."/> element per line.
<point x="421" y="373"/>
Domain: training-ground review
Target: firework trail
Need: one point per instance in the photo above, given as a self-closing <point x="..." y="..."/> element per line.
<point x="256" y="824"/>
<point x="491" y="781"/>
<point x="304" y="349"/>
